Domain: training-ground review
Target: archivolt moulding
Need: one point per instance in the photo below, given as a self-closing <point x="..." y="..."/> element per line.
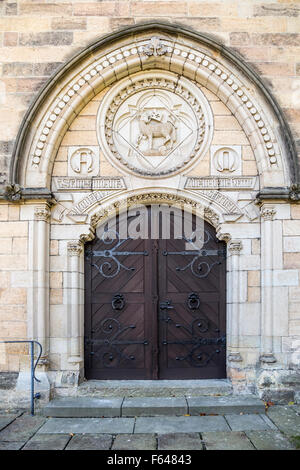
<point x="211" y="212"/>
<point x="190" y="54"/>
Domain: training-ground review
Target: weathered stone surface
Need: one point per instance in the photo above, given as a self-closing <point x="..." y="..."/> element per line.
<point x="6" y="419"/>
<point x="134" y="442"/>
<point x="286" y="419"/>
<point x="11" y="445"/>
<point x="24" y="427"/>
<point x="87" y="426"/>
<point x="8" y="380"/>
<point x="90" y="442"/>
<point x="81" y="407"/>
<point x="225" y="405"/>
<point x="246" y="422"/>
<point x="269" y="440"/>
<point x="166" y="425"/>
<point x="226" y="441"/>
<point x="47" y="442"/>
<point x="278" y="397"/>
<point x="46" y="38"/>
<point x="156" y="406"/>
<point x="154" y="388"/>
<point x="180" y="441"/>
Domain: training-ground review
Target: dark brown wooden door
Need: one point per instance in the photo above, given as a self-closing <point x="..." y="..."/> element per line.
<point x="155" y="310"/>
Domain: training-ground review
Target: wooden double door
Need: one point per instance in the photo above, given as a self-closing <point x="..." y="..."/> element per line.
<point x="155" y="308"/>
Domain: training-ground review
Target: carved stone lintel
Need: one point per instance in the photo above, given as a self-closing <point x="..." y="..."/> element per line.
<point x="267" y="358"/>
<point x="235" y="247"/>
<point x="74" y="248"/>
<point x="42" y="212"/>
<point x="267" y="212"/>
<point x="154" y="47"/>
<point x="235" y="357"/>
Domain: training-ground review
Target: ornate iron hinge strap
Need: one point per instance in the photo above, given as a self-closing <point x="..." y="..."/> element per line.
<point x="202" y="268"/>
<point x="107" y="268"/>
<point x="194" y="356"/>
<point x="112" y="346"/>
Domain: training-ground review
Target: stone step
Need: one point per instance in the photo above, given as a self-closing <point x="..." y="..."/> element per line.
<point x="91" y="407"/>
<point x="154" y="388"/>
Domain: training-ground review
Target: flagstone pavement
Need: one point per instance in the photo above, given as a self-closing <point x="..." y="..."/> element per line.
<point x="279" y="429"/>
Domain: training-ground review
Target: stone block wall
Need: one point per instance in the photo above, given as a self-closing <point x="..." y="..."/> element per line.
<point x="37" y="36"/>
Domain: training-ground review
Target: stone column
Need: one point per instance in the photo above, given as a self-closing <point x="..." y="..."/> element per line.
<point x="75" y="250"/>
<point x="233" y="289"/>
<point x="40" y="252"/>
<point x="267" y="255"/>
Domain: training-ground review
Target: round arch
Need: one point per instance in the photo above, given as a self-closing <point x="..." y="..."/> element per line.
<point x="194" y="55"/>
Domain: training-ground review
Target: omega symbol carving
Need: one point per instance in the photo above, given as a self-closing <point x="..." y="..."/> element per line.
<point x="226" y="160"/>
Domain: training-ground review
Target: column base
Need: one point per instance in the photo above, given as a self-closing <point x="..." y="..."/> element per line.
<point x="267" y="358"/>
<point x="235" y="357"/>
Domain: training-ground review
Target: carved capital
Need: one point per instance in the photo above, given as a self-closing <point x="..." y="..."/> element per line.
<point x="42" y="212"/>
<point x="74" y="248"/>
<point x="224" y="237"/>
<point x="267" y="212"/>
<point x="235" y="247"/>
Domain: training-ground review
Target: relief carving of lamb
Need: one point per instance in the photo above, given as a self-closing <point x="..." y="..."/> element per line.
<point x="152" y="127"/>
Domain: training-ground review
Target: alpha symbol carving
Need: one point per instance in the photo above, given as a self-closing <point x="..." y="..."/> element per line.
<point x="82" y="161"/>
<point x="160" y="134"/>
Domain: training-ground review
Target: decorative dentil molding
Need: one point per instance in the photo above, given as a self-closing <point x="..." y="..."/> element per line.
<point x="181" y="51"/>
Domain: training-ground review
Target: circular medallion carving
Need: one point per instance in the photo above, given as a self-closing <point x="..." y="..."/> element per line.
<point x="154" y="124"/>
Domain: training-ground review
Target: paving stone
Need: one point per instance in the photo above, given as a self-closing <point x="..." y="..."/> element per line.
<point x="84" y="407"/>
<point x="90" y="442"/>
<point x="11" y="445"/>
<point x="226" y="441"/>
<point x="154" y="406"/>
<point x="269" y="440"/>
<point x="163" y="425"/>
<point x="5" y="420"/>
<point x="23" y="428"/>
<point x="180" y="441"/>
<point x="88" y="426"/>
<point x="47" y="442"/>
<point x="246" y="422"/>
<point x="286" y="419"/>
<point x="134" y="442"/>
<point x="225" y="405"/>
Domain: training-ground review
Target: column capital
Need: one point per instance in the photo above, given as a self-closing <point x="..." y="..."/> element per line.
<point x="74" y="248"/>
<point x="235" y="247"/>
<point x="222" y="236"/>
<point x="267" y="212"/>
<point x="42" y="212"/>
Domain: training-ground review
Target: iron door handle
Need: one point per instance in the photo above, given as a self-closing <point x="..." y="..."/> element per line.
<point x="166" y="305"/>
